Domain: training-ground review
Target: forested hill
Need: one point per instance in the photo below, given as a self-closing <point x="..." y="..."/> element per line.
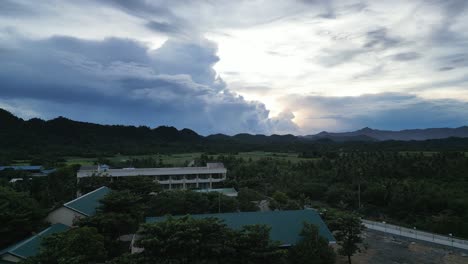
<point x="62" y="136"/>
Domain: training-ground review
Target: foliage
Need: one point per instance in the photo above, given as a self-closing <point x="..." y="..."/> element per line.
<point x="188" y="240"/>
<point x="312" y="248"/>
<point x="75" y="246"/>
<point x="348" y="234"/>
<point x="413" y="189"/>
<point x="246" y="198"/>
<point x="179" y="202"/>
<point x="19" y="216"/>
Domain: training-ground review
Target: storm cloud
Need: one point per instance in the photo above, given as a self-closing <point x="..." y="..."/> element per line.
<point x="173" y="85"/>
<point x="225" y="67"/>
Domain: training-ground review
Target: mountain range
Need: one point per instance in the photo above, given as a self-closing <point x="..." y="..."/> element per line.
<point x="63" y="127"/>
<point x="369" y="134"/>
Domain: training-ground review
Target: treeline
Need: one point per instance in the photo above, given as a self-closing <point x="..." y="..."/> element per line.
<point x="51" y="140"/>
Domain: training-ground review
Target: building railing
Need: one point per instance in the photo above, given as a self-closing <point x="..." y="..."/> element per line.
<point x="450" y="241"/>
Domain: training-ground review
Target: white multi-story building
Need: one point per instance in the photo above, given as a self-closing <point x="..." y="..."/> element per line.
<point x="169" y="178"/>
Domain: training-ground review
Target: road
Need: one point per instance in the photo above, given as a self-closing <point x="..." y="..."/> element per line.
<point x="416" y="234"/>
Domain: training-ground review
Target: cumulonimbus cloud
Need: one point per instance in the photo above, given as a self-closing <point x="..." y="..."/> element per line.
<point x="122" y="81"/>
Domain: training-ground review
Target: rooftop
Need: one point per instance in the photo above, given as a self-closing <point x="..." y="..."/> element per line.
<point x="285" y="225"/>
<point x="30" y="246"/>
<point x="210" y="168"/>
<point x="88" y="203"/>
<point x="225" y="191"/>
<point x="22" y="167"/>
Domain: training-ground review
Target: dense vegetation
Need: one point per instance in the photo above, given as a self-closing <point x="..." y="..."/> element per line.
<point x="421" y="184"/>
<point x="429" y="192"/>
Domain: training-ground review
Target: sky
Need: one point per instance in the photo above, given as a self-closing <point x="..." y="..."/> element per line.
<point x="223" y="66"/>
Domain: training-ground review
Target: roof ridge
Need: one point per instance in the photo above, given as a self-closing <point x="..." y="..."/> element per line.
<point x="84" y="195"/>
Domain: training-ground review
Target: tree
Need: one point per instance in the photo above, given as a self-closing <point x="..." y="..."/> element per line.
<point x="221" y="203"/>
<point x="123" y="202"/>
<point x="179" y="202"/>
<point x="75" y="246"/>
<point x="246" y="199"/>
<point x="140" y="185"/>
<point x="348" y="234"/>
<point x="112" y="225"/>
<point x="19" y="216"/>
<point x="208" y="240"/>
<point x="253" y="245"/>
<point x="312" y="248"/>
<point x="185" y="240"/>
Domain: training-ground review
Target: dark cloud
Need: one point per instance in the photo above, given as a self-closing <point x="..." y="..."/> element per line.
<point x="13" y="8"/>
<point x="334" y="57"/>
<point x="121" y="81"/>
<point x="443" y="32"/>
<point x="162" y="27"/>
<point x="380" y="39"/>
<point x="446" y="68"/>
<point x="406" y="56"/>
<point x="158" y="15"/>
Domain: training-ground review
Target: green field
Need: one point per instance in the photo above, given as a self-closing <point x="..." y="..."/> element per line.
<point x="184" y="158"/>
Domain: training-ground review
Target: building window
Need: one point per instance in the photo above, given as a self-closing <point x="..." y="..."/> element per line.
<point x="177" y="186"/>
<point x="216" y="176"/>
<point x="191" y="185"/>
<point x="177" y="177"/>
<point x="163" y="178"/>
<point x="204" y="176"/>
<point x="204" y="185"/>
<point x="191" y="176"/>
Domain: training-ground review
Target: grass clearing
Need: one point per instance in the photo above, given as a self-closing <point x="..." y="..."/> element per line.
<point x="182" y="159"/>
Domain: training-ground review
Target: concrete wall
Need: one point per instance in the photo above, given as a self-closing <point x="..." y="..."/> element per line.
<point x="63" y="215"/>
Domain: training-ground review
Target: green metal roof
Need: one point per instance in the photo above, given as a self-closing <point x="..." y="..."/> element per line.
<point x="225" y="191"/>
<point x="30" y="246"/>
<point x="285" y="225"/>
<point x="88" y="203"/>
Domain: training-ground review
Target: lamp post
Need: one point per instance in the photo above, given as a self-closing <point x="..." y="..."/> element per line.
<point x="451" y="238"/>
<point x="385" y="226"/>
<point x="415" y="233"/>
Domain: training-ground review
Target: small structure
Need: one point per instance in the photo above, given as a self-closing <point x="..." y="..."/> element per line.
<point x="36" y="171"/>
<point x="231" y="192"/>
<point x="30" y="246"/>
<point x="22" y="168"/>
<point x="169" y="178"/>
<point x="82" y="206"/>
<point x="286" y="226"/>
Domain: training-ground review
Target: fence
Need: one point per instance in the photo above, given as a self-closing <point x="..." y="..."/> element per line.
<point x="416" y="234"/>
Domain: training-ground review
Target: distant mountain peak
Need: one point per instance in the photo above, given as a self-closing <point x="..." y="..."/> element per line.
<point x="368" y="133"/>
<point x="366" y="129"/>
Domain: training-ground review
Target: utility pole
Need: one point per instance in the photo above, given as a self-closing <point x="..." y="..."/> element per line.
<point x="359" y="188"/>
<point x="359" y="193"/>
<point x="219" y="202"/>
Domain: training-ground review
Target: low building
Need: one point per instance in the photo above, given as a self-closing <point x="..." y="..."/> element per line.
<point x="30" y="246"/>
<point x="286" y="226"/>
<point x="169" y="178"/>
<point x="231" y="192"/>
<point x="36" y="171"/>
<point x="22" y="168"/>
<point x="82" y="206"/>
